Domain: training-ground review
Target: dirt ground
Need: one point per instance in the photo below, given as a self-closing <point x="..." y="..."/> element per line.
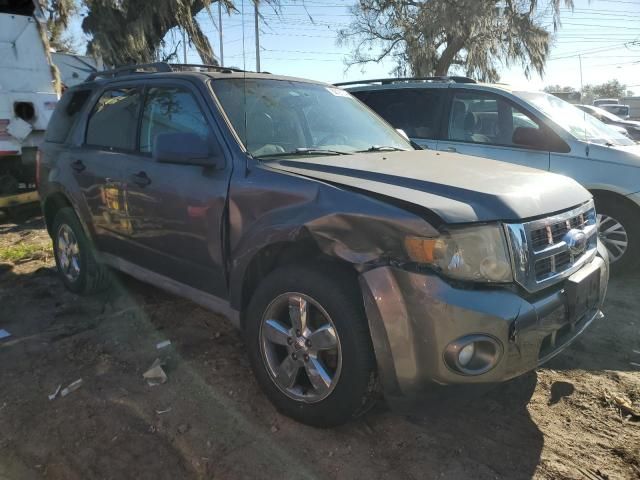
<point x="210" y="420"/>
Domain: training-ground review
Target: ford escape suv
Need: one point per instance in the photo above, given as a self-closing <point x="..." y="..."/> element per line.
<point x="535" y="129"/>
<point x="351" y="262"/>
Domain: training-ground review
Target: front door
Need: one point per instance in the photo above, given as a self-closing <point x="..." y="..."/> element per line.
<point x="176" y="211"/>
<point x="487" y="125"/>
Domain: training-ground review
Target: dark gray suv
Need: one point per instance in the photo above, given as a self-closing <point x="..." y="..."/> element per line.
<point x="353" y="263"/>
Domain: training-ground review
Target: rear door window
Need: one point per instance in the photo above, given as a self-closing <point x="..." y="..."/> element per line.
<point x="416" y="111"/>
<point x="114" y="121"/>
<point x="65" y="116"/>
<point x="170" y="110"/>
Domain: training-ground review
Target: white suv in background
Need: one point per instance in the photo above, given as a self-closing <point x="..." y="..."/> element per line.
<point x="530" y="128"/>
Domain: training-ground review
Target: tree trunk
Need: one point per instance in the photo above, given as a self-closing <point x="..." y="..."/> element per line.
<point x="446" y="59"/>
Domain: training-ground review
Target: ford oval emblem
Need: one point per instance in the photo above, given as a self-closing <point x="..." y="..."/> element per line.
<point x="576" y="240"/>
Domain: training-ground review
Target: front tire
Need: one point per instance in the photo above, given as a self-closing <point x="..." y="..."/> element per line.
<point x="309" y="345"/>
<point x="74" y="255"/>
<point x="619" y="232"/>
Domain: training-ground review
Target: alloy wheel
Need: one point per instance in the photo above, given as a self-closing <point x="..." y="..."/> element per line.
<point x="613" y="235"/>
<point x="300" y="347"/>
<point x="68" y="253"/>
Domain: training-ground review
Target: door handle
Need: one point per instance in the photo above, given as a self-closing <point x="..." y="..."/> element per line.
<point x="78" y="166"/>
<point x="451" y="149"/>
<point x="141" y="179"/>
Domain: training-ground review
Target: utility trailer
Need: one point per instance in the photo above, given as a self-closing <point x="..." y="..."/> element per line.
<point x="28" y="96"/>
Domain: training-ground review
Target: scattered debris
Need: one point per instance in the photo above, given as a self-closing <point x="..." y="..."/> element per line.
<point x="634" y="364"/>
<point x="623" y="404"/>
<point x="72" y="387"/>
<point x="55" y="394"/>
<point x="4" y="334"/>
<point x="183" y="428"/>
<point x="155" y="375"/>
<point x="163" y="344"/>
<point x="160" y="412"/>
<point x="274" y="429"/>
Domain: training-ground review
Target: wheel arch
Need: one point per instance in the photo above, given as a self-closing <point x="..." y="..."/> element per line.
<point x="51" y="205"/>
<point x="608" y="195"/>
<point x="279" y="254"/>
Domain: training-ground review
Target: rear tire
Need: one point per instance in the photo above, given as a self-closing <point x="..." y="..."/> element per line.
<point x="331" y="300"/>
<point x="75" y="257"/>
<point x="618" y="225"/>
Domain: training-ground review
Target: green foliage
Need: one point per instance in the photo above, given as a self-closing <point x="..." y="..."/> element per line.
<point x="58" y="14"/>
<point x="610" y="89"/>
<point x="133" y="31"/>
<point x="475" y="37"/>
<point x="558" y="88"/>
<point x="24" y="251"/>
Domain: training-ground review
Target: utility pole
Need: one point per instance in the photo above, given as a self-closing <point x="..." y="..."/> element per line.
<point x="220" y="30"/>
<point x="581" y="85"/>
<point x="184" y="47"/>
<point x="255" y="3"/>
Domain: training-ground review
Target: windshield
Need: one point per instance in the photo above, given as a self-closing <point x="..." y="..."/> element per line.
<point x="290" y="117"/>
<point x="581" y="125"/>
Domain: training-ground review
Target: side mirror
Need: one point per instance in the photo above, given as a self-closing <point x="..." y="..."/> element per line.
<point x="530" y="137"/>
<point x="186" y="149"/>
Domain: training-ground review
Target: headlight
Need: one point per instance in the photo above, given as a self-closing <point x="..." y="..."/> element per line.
<point x="477" y="253"/>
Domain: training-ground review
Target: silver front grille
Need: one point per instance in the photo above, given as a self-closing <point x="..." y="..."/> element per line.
<point x="547" y="250"/>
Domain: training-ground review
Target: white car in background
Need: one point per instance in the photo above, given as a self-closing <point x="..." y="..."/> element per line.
<point x="530" y="128"/>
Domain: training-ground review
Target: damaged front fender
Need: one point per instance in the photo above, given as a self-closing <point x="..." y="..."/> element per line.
<point x="269" y="207"/>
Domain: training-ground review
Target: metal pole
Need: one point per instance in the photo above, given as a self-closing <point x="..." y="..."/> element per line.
<point x="184" y="46"/>
<point x="255" y="3"/>
<point x="581" y="86"/>
<point x="220" y="29"/>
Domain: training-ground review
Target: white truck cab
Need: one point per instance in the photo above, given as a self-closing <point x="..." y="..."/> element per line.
<point x="28" y="96"/>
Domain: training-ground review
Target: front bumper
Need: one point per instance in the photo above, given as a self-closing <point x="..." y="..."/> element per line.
<point x="413" y="317"/>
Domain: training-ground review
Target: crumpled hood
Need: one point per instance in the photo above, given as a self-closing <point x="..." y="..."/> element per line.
<point x="458" y="188"/>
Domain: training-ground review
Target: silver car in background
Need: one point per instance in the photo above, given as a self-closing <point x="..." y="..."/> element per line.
<point x="530" y="128"/>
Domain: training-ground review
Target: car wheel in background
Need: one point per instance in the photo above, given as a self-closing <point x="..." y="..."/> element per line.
<point x="75" y="259"/>
<point x="309" y="345"/>
<point x="619" y="232"/>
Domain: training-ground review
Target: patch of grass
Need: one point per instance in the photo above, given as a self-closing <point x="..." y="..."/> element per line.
<point x="24" y="251"/>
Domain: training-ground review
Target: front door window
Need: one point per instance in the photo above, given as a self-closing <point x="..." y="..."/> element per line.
<point x="480" y="118"/>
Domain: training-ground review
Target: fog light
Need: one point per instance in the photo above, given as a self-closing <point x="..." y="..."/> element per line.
<point x="473" y="354"/>
<point x="466" y="354"/>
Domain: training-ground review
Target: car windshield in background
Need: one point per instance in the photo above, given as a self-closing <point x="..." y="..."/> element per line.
<point x="286" y="117"/>
<point x="605" y="114"/>
<point x="580" y="124"/>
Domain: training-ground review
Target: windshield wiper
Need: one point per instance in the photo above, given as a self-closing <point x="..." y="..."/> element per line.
<point x="381" y="148"/>
<point x="303" y="151"/>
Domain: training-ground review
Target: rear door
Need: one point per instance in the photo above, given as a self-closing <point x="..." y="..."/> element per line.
<point x="109" y="140"/>
<point x="177" y="211"/>
<point x="417" y="111"/>
<point x="488" y="125"/>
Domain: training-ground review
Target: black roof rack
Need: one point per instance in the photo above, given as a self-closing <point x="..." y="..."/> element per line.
<point x="388" y="81"/>
<point x="159" y="67"/>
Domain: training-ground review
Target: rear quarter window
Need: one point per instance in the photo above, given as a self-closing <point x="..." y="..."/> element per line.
<point x="65" y="116"/>
<point x="416" y="111"/>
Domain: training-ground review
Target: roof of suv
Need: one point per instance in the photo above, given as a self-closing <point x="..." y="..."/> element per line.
<point x="422" y="82"/>
<point x="152" y="70"/>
